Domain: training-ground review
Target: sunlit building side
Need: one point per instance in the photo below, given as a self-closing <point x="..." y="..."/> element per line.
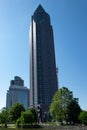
<point x="17" y="93"/>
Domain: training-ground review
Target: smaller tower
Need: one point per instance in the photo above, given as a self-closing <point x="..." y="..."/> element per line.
<point x="17" y="93"/>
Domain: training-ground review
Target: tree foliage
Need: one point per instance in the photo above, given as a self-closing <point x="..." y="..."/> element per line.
<point x="28" y="117"/>
<point x="4" y="116"/>
<point x="63" y="105"/>
<point x="73" y="111"/>
<point x="34" y="114"/>
<point x="83" y="117"/>
<point x="16" y="111"/>
<point x="61" y="99"/>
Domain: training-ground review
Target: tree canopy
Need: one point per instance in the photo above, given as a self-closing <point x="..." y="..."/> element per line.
<point x="61" y="103"/>
<point x="4" y="116"/>
<point x="28" y="117"/>
<point x="73" y="111"/>
<point x="16" y="111"/>
<point x="83" y="117"/>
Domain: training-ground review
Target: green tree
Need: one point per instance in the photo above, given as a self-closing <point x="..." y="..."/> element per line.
<point x="83" y="117"/>
<point x="4" y="116"/>
<point x="16" y="111"/>
<point x="27" y="117"/>
<point x="73" y="111"/>
<point x="58" y="107"/>
<point x="34" y="114"/>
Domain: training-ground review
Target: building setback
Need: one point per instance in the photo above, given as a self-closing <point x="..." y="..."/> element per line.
<point x="43" y="76"/>
<point x="17" y="93"/>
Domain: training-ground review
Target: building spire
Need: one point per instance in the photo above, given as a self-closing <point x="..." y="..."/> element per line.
<point x="39" y="9"/>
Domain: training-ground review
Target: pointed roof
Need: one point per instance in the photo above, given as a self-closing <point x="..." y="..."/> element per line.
<point x="39" y="9"/>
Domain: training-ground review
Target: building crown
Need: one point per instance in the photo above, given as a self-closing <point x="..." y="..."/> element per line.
<point x="39" y="9"/>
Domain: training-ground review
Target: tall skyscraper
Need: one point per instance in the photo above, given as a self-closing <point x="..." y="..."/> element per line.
<point x="43" y="76"/>
<point x="17" y="93"/>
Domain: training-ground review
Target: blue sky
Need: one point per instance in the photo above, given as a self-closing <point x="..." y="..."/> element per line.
<point x="69" y="21"/>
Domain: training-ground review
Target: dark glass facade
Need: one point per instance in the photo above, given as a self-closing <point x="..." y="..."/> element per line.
<point x="43" y="77"/>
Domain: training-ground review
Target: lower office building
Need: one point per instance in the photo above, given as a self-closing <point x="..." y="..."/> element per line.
<point x="17" y="93"/>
